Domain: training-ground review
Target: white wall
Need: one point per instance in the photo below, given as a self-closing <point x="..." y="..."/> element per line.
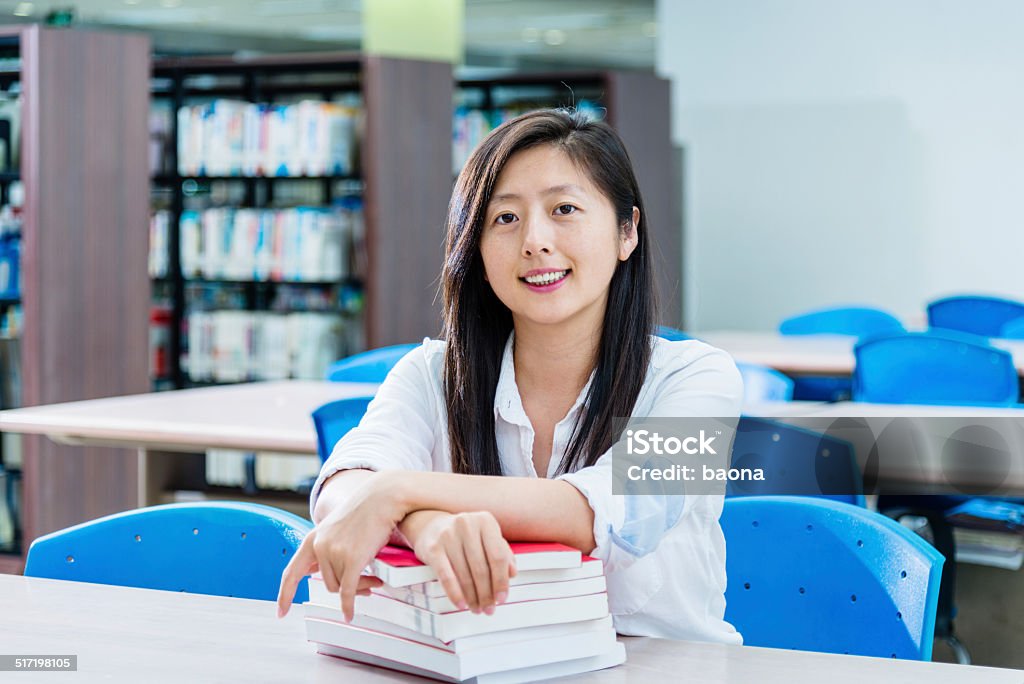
<point x="867" y="151"/>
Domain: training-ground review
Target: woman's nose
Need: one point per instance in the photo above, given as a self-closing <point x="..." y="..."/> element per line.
<point x="538" y="238"/>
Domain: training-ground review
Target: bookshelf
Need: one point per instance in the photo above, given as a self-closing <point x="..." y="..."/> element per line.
<point x="638" y="105"/>
<point x="83" y="245"/>
<point x="393" y="190"/>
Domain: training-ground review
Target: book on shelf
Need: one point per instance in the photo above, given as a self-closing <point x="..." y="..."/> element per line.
<point x="302" y="244"/>
<point x="232" y="138"/>
<point x="233" y="345"/>
<point x="554" y="621"/>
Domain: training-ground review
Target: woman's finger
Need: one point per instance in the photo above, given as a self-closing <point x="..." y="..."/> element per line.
<point x="499" y="558"/>
<point x="479" y="568"/>
<point x="297" y="568"/>
<point x="348" y="582"/>
<point x="446" y="575"/>
<point x="457" y="557"/>
<point x="366" y="583"/>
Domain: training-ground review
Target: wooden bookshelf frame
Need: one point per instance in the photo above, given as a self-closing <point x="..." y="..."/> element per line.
<point x="84" y="245"/>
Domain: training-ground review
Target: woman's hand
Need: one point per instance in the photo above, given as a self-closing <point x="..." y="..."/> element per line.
<point x="471" y="558"/>
<point x="344" y="543"/>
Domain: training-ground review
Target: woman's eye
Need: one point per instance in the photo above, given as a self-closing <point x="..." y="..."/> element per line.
<point x="505" y="219"/>
<point x="565" y="209"/>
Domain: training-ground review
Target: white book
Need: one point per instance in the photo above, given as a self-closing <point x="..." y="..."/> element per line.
<point x="590" y="567"/>
<point x="462" y="644"/>
<point x="191" y="240"/>
<point x="596" y="640"/>
<point x="451" y="626"/>
<point x="614" y="656"/>
<point x="516" y="593"/>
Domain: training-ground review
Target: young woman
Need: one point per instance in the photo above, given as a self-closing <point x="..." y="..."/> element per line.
<point x="503" y="431"/>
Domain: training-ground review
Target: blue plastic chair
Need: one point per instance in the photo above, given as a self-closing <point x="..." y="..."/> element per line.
<point x="334" y="419"/>
<point x="934" y="367"/>
<point x="368" y="366"/>
<point x="671" y="333"/>
<point x="1013" y="330"/>
<point x="761" y="383"/>
<point x="975" y="314"/>
<point x="219" y="548"/>
<point x="795" y="462"/>
<point x="855" y="321"/>
<point x="819" y="575"/>
<point x="858" y="321"/>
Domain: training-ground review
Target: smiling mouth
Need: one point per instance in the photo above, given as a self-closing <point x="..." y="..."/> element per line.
<point x="546" y="278"/>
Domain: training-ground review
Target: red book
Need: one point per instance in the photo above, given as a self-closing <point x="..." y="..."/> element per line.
<point x="399" y="567"/>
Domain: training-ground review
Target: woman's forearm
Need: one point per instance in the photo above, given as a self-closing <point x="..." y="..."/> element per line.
<point x="527" y="509"/>
<point x="337" y="488"/>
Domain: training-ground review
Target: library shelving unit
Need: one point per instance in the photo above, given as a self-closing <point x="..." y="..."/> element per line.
<point x="84" y="293"/>
<point x="638" y="105"/>
<point x="404" y="151"/>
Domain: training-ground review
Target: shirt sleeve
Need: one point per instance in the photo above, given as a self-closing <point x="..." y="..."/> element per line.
<point x="700" y="382"/>
<point x="397" y="431"/>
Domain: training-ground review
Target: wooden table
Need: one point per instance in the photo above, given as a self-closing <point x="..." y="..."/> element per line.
<point x="170" y="430"/>
<point x="123" y="634"/>
<point x="809" y="354"/>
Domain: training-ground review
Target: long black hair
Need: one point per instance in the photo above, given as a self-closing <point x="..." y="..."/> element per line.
<point x="477" y="324"/>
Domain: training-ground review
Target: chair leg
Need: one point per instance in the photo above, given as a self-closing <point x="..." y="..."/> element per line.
<point x="963" y="656"/>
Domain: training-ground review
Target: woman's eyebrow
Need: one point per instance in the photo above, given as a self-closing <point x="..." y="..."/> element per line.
<point x="553" y="190"/>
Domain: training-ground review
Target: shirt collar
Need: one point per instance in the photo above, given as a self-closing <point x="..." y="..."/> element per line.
<point x="508" y="403"/>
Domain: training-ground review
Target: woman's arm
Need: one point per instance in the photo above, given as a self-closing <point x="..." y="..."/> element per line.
<point x="458" y="524"/>
<point x="526" y="508"/>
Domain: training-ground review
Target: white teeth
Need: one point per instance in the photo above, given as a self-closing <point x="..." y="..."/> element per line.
<point x="545" y="278"/>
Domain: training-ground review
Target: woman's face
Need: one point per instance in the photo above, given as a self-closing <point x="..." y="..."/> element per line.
<point x="550" y="240"/>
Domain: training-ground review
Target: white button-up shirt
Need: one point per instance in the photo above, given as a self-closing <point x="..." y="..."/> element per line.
<point x="664" y="556"/>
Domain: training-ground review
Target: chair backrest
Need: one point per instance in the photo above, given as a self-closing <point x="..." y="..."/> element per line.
<point x="219" y="548"/>
<point x="761" y="383"/>
<point x="795" y="461"/>
<point x="368" y="366"/>
<point x="858" y="321"/>
<point x="334" y="419"/>
<point x="934" y="367"/>
<point x="975" y="314"/>
<point x="819" y="575"/>
<point x="671" y="333"/>
<point x="1013" y="330"/>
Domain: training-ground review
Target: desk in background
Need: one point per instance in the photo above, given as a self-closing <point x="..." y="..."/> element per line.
<point x="170" y="431"/>
<point x="123" y="634"/>
<point x="809" y="354"/>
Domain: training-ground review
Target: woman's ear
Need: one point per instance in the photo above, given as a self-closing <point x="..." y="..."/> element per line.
<point x="630" y="238"/>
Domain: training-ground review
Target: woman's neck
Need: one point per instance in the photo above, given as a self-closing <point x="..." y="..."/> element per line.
<point x="555" y="357"/>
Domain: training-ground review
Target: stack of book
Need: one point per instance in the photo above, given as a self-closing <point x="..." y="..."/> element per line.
<point x="989" y="532"/>
<point x="554" y="622"/>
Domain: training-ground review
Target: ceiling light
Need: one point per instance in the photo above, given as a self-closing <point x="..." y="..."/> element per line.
<point x="650" y="29"/>
<point x="554" y="37"/>
<point x="131" y="2"/>
<point x="24" y="9"/>
<point x="531" y="35"/>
